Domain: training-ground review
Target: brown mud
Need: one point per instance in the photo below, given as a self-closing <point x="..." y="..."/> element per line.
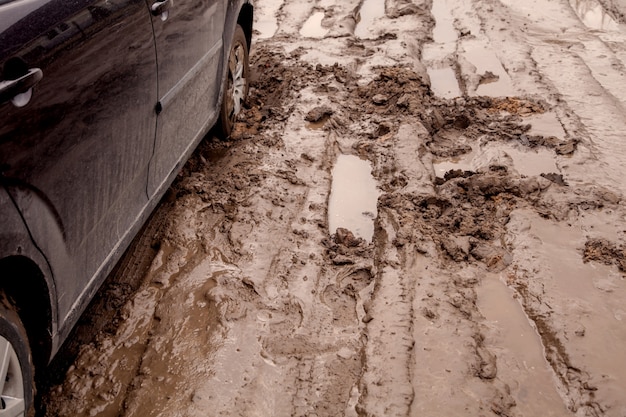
<point x="493" y="282"/>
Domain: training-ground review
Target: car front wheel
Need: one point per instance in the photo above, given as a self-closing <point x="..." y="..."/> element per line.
<point x="236" y="84"/>
<point x="16" y="367"/>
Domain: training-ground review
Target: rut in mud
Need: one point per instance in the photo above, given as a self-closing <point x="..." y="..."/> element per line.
<point x="487" y="278"/>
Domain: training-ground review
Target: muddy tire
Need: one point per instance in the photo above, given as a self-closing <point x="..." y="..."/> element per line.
<point x="17" y="386"/>
<point x="235" y="86"/>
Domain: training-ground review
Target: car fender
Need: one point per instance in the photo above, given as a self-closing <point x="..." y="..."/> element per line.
<point x="16" y="242"/>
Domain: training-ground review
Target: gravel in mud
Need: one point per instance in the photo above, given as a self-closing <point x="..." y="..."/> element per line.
<point x="493" y="282"/>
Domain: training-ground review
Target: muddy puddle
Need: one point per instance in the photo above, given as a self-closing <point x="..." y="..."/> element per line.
<point x="519" y="350"/>
<point x="593" y="15"/>
<point x="316" y="125"/>
<point x="588" y="299"/>
<point x="353" y="197"/>
<point x="527" y="162"/>
<point x="444" y="35"/>
<point x="443" y="79"/>
<point x="369" y="12"/>
<point x="312" y="28"/>
<point x="492" y="80"/>
<point x="444" y="31"/>
<point x="443" y="82"/>
<point x="266" y="22"/>
<point x="545" y="124"/>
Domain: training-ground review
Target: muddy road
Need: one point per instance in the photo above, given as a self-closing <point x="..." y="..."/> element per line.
<point x="420" y="214"/>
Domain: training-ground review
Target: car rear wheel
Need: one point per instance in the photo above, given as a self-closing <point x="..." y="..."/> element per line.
<point x="17" y="386"/>
<point x="236" y="83"/>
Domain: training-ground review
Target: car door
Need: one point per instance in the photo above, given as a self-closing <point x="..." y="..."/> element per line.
<point x="188" y="36"/>
<point x="75" y="149"/>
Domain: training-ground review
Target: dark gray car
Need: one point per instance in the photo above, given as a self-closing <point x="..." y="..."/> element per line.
<point x="101" y="103"/>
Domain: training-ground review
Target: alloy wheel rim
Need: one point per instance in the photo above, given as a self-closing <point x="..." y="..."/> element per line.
<point x="237" y="81"/>
<point x="11" y="382"/>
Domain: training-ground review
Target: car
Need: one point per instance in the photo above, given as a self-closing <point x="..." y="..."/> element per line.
<point x="101" y="104"/>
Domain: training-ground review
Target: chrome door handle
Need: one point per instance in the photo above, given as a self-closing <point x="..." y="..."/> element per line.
<point x="10" y="89"/>
<point x="160" y="7"/>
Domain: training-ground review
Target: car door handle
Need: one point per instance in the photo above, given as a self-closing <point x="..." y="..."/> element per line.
<point x="160" y="7"/>
<point x="9" y="89"/>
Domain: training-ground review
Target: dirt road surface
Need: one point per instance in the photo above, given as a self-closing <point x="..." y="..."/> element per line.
<point x="420" y="214"/>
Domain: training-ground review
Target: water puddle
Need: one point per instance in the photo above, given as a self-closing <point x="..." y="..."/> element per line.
<point x="266" y="23"/>
<point x="462" y="162"/>
<point x="444" y="34"/>
<point x="266" y="28"/>
<point x="353" y="197"/>
<point x="545" y="124"/>
<point x="495" y="81"/>
<point x="592" y="296"/>
<point x="312" y="28"/>
<point x="593" y="15"/>
<point x="444" y="31"/>
<point x="316" y="125"/>
<point x="530" y="162"/>
<point x="370" y="11"/>
<point x="519" y="351"/>
<point x="443" y="82"/>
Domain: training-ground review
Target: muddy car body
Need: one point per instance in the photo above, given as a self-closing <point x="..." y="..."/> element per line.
<point x="102" y="102"/>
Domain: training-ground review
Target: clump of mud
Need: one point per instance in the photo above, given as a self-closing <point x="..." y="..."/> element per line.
<point x="603" y="251"/>
<point x="343" y="248"/>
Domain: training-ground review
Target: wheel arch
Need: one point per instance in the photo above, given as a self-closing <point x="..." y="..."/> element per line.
<point x="24" y="284"/>
<point x="26" y="279"/>
<point x="245" y="20"/>
<point x="238" y="13"/>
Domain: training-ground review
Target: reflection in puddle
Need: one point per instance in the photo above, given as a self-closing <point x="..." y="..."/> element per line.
<point x="443" y="82"/>
<point x="368" y="13"/>
<point x="527" y="162"/>
<point x="312" y="28"/>
<point x="519" y="351"/>
<point x="353" y="197"/>
<point x="593" y="15"/>
<point x="488" y="64"/>
<point x="444" y="31"/>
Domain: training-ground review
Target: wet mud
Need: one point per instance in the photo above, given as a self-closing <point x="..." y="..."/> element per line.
<point x="409" y="219"/>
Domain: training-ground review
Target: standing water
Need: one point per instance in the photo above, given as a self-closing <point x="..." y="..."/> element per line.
<point x="368" y="13"/>
<point x="519" y="351"/>
<point x="444" y="31"/>
<point x="443" y="80"/>
<point x="312" y="28"/>
<point x="353" y="197"/>
<point x="266" y="22"/>
<point x="482" y="56"/>
<point x="593" y="15"/>
<point x="528" y="162"/>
